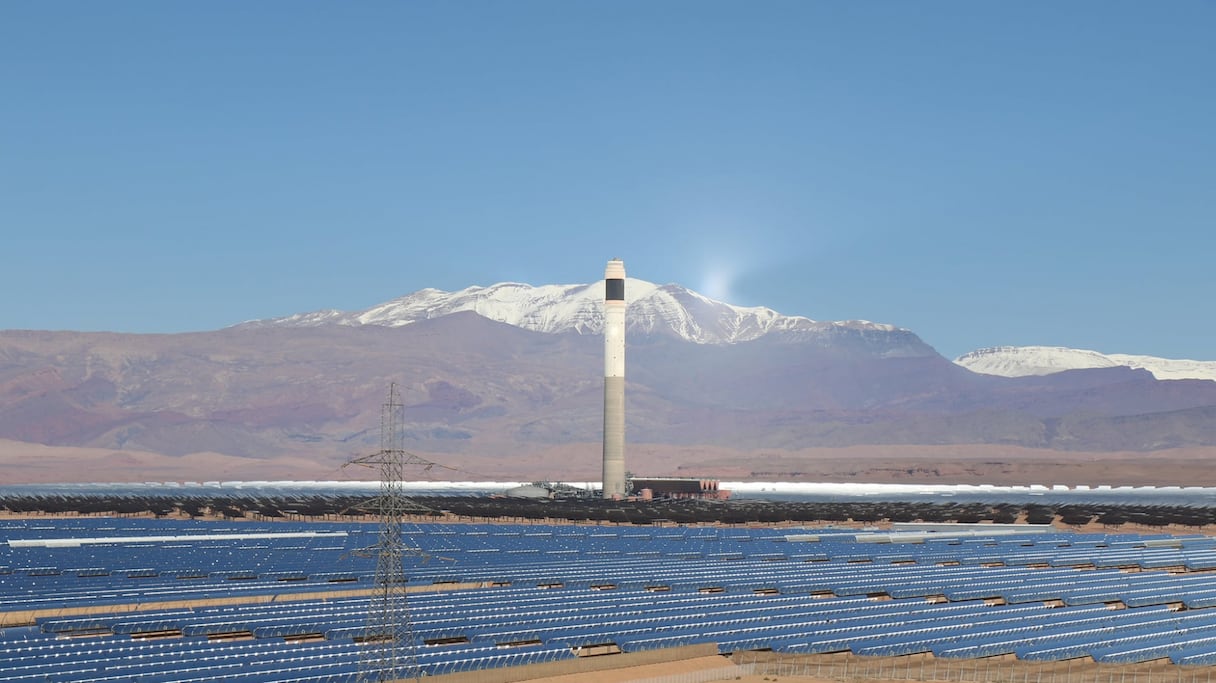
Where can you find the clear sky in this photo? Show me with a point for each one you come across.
(982, 173)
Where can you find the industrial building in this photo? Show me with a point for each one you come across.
(677, 487)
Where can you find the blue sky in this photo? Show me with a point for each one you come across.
(982, 173)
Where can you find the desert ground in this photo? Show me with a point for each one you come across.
(22, 462)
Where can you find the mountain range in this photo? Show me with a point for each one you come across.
(506, 381)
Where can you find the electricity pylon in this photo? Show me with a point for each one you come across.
(388, 652)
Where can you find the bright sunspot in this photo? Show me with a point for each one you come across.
(717, 282)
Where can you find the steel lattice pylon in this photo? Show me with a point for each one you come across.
(388, 640)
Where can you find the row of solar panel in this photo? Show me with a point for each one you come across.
(190, 659)
(624, 571)
(850, 629)
(245, 562)
(466, 535)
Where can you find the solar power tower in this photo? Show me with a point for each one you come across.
(388, 639)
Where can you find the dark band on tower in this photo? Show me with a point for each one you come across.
(614, 290)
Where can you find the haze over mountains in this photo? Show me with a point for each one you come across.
(506, 381)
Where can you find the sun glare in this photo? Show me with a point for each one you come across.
(717, 282)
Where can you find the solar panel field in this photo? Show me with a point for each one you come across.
(161, 600)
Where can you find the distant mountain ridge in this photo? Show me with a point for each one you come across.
(491, 376)
(652, 309)
(1026, 361)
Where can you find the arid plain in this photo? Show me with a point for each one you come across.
(976, 464)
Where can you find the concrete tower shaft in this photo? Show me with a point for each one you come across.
(614, 379)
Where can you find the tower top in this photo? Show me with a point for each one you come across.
(615, 270)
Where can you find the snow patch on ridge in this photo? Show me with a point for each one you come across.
(1022, 361)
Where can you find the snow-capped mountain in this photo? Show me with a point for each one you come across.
(663, 309)
(1021, 361)
(477, 386)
